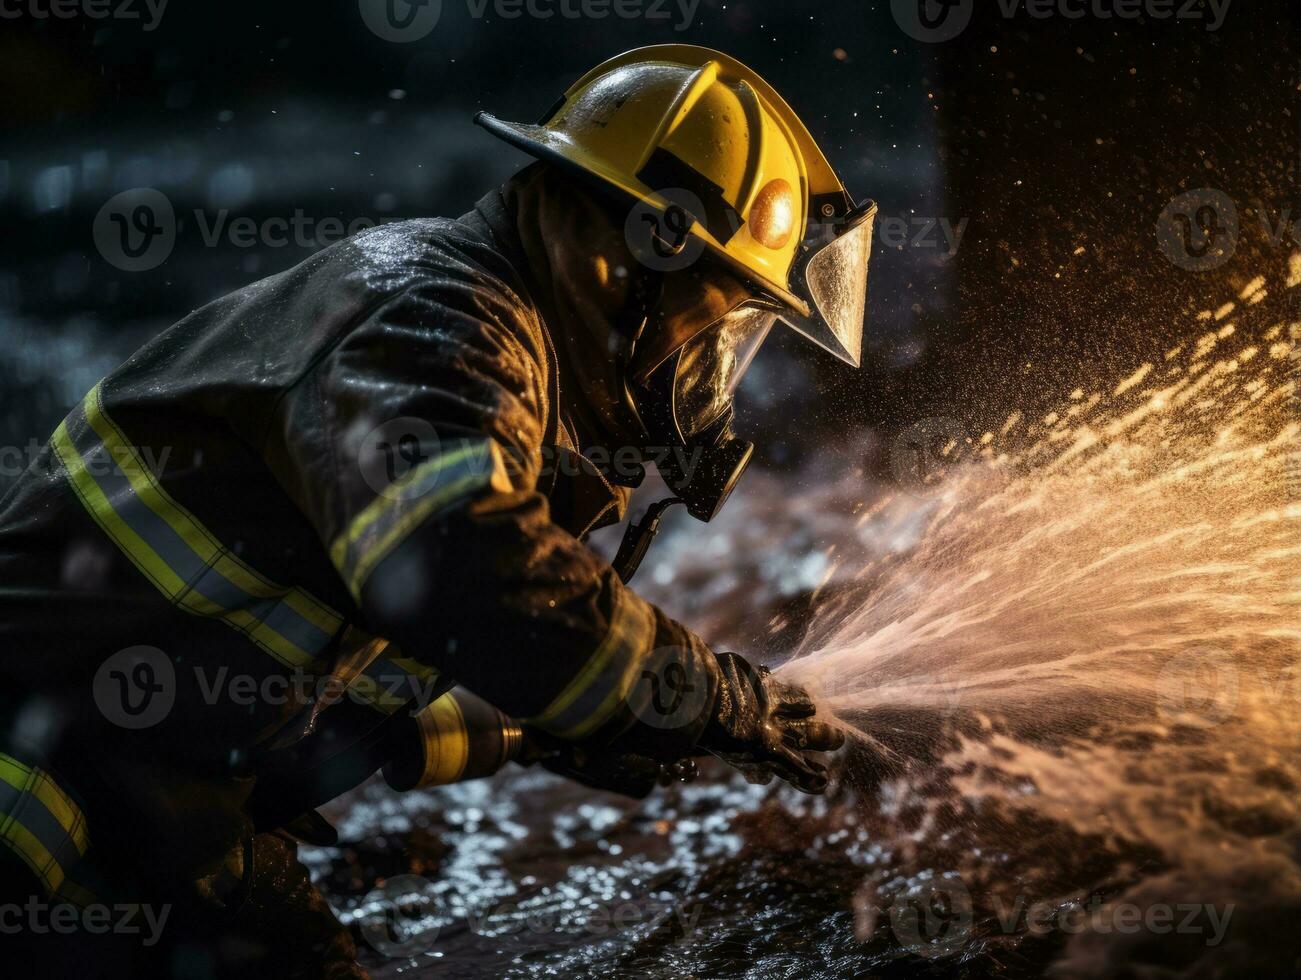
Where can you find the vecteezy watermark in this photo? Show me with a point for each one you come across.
(932, 916)
(660, 239)
(1205, 687)
(148, 11)
(1198, 687)
(668, 691)
(1199, 230)
(103, 461)
(397, 918)
(42, 918)
(937, 21)
(401, 918)
(921, 232)
(137, 687)
(137, 229)
(1124, 918)
(625, 464)
(405, 21)
(935, 916)
(390, 454)
(401, 21)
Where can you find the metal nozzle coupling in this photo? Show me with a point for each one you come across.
(459, 736)
(512, 740)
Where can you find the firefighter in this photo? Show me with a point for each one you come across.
(251, 563)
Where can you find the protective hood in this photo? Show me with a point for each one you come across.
(580, 266)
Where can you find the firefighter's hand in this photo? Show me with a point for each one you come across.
(766, 727)
(602, 767)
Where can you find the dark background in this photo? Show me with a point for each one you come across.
(1058, 141)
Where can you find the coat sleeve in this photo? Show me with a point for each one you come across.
(416, 448)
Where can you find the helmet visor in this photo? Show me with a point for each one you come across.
(711, 366)
(834, 277)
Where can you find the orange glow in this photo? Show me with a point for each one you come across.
(772, 218)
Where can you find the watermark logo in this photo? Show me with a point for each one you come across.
(136, 687)
(149, 12)
(922, 232)
(1125, 918)
(404, 21)
(1198, 230)
(398, 917)
(1198, 687)
(102, 461)
(937, 21)
(932, 21)
(128, 919)
(932, 918)
(276, 232)
(660, 239)
(401, 21)
(922, 452)
(136, 230)
(390, 453)
(668, 693)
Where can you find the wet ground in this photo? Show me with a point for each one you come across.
(527, 875)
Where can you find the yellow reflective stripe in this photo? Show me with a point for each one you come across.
(141, 499)
(593, 695)
(67, 813)
(381, 504)
(13, 772)
(131, 544)
(177, 553)
(209, 550)
(408, 502)
(155, 497)
(313, 610)
(39, 822)
(33, 854)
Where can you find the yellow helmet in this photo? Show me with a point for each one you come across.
(719, 160)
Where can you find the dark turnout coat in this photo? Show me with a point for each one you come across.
(337, 476)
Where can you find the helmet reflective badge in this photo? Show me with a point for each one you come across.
(690, 131)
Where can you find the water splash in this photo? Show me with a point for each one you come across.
(1093, 625)
(1152, 519)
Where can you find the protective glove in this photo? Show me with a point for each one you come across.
(765, 727)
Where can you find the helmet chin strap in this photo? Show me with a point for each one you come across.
(702, 468)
